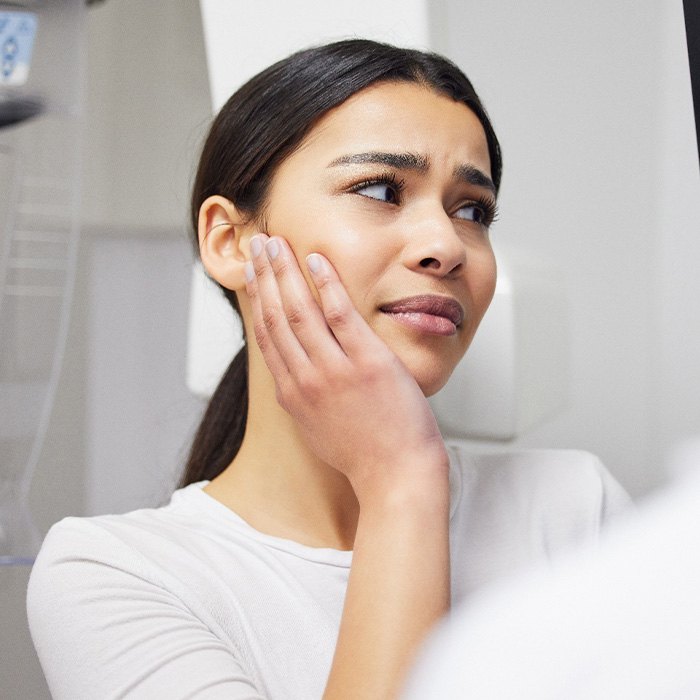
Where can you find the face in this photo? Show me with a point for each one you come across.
(393, 187)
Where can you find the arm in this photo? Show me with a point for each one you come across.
(340, 382)
(399, 587)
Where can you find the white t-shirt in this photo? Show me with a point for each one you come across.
(189, 601)
(618, 623)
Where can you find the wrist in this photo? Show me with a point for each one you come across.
(405, 485)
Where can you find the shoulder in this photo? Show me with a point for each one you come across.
(80, 555)
(133, 583)
(86, 539)
(130, 549)
(555, 473)
(513, 509)
(108, 538)
(566, 491)
(532, 462)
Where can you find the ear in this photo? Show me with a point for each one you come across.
(223, 241)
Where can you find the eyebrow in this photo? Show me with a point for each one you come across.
(473, 176)
(403, 161)
(411, 161)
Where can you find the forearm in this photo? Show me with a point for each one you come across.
(399, 587)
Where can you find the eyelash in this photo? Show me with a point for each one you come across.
(487, 205)
(388, 179)
(489, 208)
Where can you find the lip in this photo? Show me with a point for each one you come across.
(431, 313)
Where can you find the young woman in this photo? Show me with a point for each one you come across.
(343, 203)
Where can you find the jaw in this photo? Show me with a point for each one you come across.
(430, 359)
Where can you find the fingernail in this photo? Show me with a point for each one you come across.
(273, 248)
(256, 246)
(249, 271)
(315, 263)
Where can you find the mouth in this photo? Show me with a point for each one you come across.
(428, 313)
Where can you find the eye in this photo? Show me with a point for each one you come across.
(483, 211)
(383, 188)
(380, 191)
(471, 212)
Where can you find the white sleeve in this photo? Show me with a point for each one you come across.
(105, 627)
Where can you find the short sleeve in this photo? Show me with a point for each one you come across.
(105, 627)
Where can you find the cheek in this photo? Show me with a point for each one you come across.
(481, 276)
(359, 267)
(359, 259)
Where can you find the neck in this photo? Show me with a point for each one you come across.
(277, 484)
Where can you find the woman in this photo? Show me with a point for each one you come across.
(343, 203)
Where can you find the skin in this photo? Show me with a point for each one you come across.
(337, 387)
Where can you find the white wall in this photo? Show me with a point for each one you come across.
(243, 38)
(592, 105)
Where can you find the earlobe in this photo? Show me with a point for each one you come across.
(223, 235)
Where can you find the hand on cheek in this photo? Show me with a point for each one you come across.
(358, 407)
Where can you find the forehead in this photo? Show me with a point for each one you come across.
(401, 117)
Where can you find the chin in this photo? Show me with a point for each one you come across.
(430, 373)
(429, 367)
(430, 359)
(431, 385)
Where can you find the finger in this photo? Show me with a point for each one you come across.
(272, 314)
(303, 313)
(350, 329)
(274, 362)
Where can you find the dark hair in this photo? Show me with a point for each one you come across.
(261, 125)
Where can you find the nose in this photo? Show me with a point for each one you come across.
(434, 246)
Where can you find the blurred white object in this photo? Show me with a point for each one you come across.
(620, 623)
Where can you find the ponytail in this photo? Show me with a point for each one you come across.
(221, 431)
